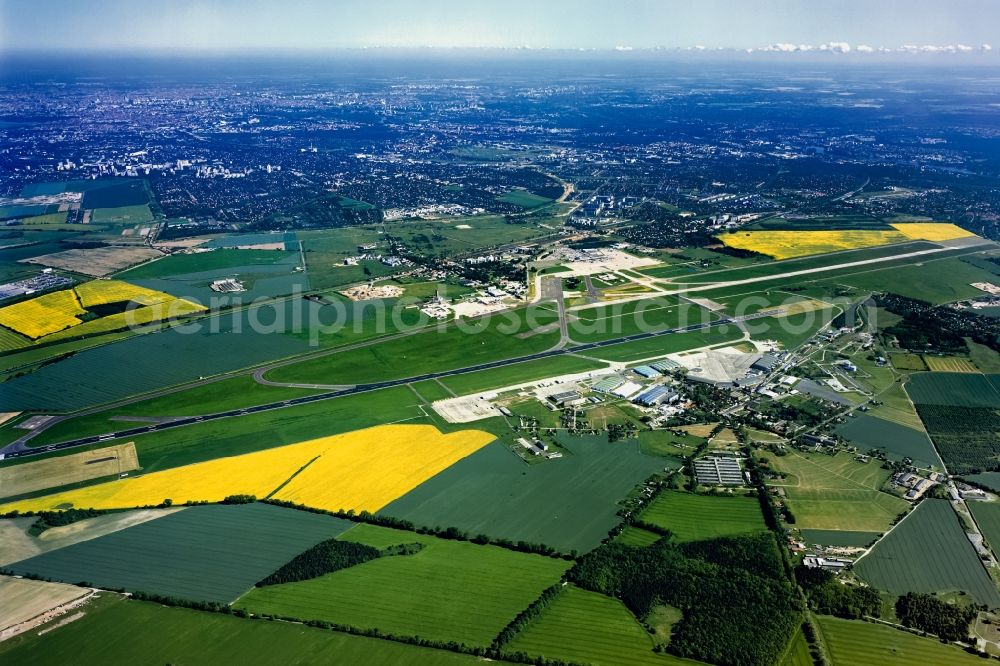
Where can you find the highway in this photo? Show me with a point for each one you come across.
(23, 450)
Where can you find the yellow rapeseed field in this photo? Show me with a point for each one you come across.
(55, 314)
(45, 314)
(100, 292)
(367, 470)
(931, 231)
(364, 469)
(789, 244)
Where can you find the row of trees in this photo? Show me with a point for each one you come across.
(452, 646)
(49, 519)
(515, 626)
(451, 533)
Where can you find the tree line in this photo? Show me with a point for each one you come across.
(450, 533)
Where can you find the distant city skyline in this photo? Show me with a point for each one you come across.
(835, 26)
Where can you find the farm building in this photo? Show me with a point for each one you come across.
(719, 471)
(832, 563)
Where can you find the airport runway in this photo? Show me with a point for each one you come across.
(18, 449)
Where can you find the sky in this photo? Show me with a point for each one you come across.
(237, 25)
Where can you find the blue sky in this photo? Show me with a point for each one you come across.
(317, 24)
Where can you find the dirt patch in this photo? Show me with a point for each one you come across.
(98, 261)
(27, 603)
(64, 470)
(466, 409)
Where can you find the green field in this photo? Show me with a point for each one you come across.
(431, 390)
(959, 411)
(122, 215)
(50, 218)
(798, 652)
(790, 265)
(990, 480)
(636, 536)
(9, 340)
(567, 503)
(524, 199)
(449, 590)
(836, 492)
(670, 343)
(586, 627)
(604, 322)
(870, 432)
(691, 517)
(519, 373)
(928, 552)
(198, 262)
(437, 237)
(956, 389)
(204, 553)
(933, 280)
(214, 439)
(237, 392)
(793, 330)
(153, 361)
(987, 515)
(435, 350)
(666, 443)
(108, 634)
(852, 642)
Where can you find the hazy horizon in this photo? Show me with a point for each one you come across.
(825, 26)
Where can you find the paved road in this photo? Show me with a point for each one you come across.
(18, 449)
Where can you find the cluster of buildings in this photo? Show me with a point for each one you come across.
(916, 486)
(227, 286)
(47, 280)
(431, 212)
(538, 448)
(385, 259)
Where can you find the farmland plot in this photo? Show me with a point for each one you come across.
(899, 441)
(568, 503)
(204, 553)
(64, 470)
(956, 389)
(449, 590)
(580, 626)
(692, 517)
(22, 600)
(928, 552)
(360, 470)
(182, 636)
(836, 492)
(853, 642)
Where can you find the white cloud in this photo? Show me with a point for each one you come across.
(836, 47)
(987, 47)
(864, 48)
